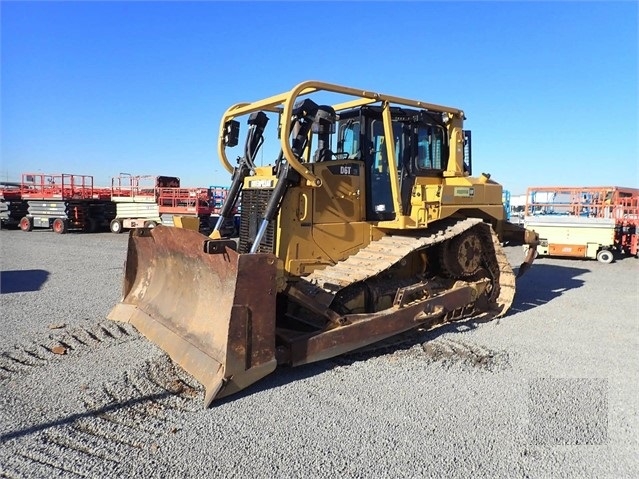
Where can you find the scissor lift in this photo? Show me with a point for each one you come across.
(584, 222)
(58, 201)
(135, 198)
(12, 207)
(177, 201)
(144, 201)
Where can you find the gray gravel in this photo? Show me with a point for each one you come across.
(548, 391)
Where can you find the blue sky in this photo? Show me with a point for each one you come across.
(549, 88)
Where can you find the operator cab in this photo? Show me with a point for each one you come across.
(421, 149)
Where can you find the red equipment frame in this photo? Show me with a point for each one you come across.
(62, 186)
(10, 192)
(191, 201)
(138, 187)
(626, 234)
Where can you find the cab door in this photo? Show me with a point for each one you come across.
(339, 206)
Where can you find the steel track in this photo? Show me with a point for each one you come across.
(388, 251)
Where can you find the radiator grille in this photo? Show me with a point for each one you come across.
(253, 205)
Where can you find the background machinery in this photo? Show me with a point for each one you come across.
(593, 222)
(366, 224)
(144, 201)
(12, 208)
(62, 202)
(230, 226)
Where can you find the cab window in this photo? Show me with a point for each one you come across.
(349, 139)
(431, 148)
(379, 153)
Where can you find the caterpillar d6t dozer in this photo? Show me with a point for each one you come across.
(368, 223)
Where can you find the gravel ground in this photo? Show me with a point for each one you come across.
(548, 391)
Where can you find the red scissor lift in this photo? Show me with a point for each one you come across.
(185, 202)
(626, 222)
(12, 207)
(59, 201)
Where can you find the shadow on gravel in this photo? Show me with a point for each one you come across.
(74, 417)
(543, 283)
(625, 257)
(282, 376)
(22, 280)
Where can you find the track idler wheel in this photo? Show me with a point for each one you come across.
(462, 255)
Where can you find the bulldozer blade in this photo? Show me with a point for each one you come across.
(213, 313)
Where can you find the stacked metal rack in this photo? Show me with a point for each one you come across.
(584, 222)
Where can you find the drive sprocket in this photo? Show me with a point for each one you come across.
(462, 255)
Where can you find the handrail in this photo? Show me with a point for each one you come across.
(284, 103)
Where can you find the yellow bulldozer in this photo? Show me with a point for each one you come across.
(367, 224)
